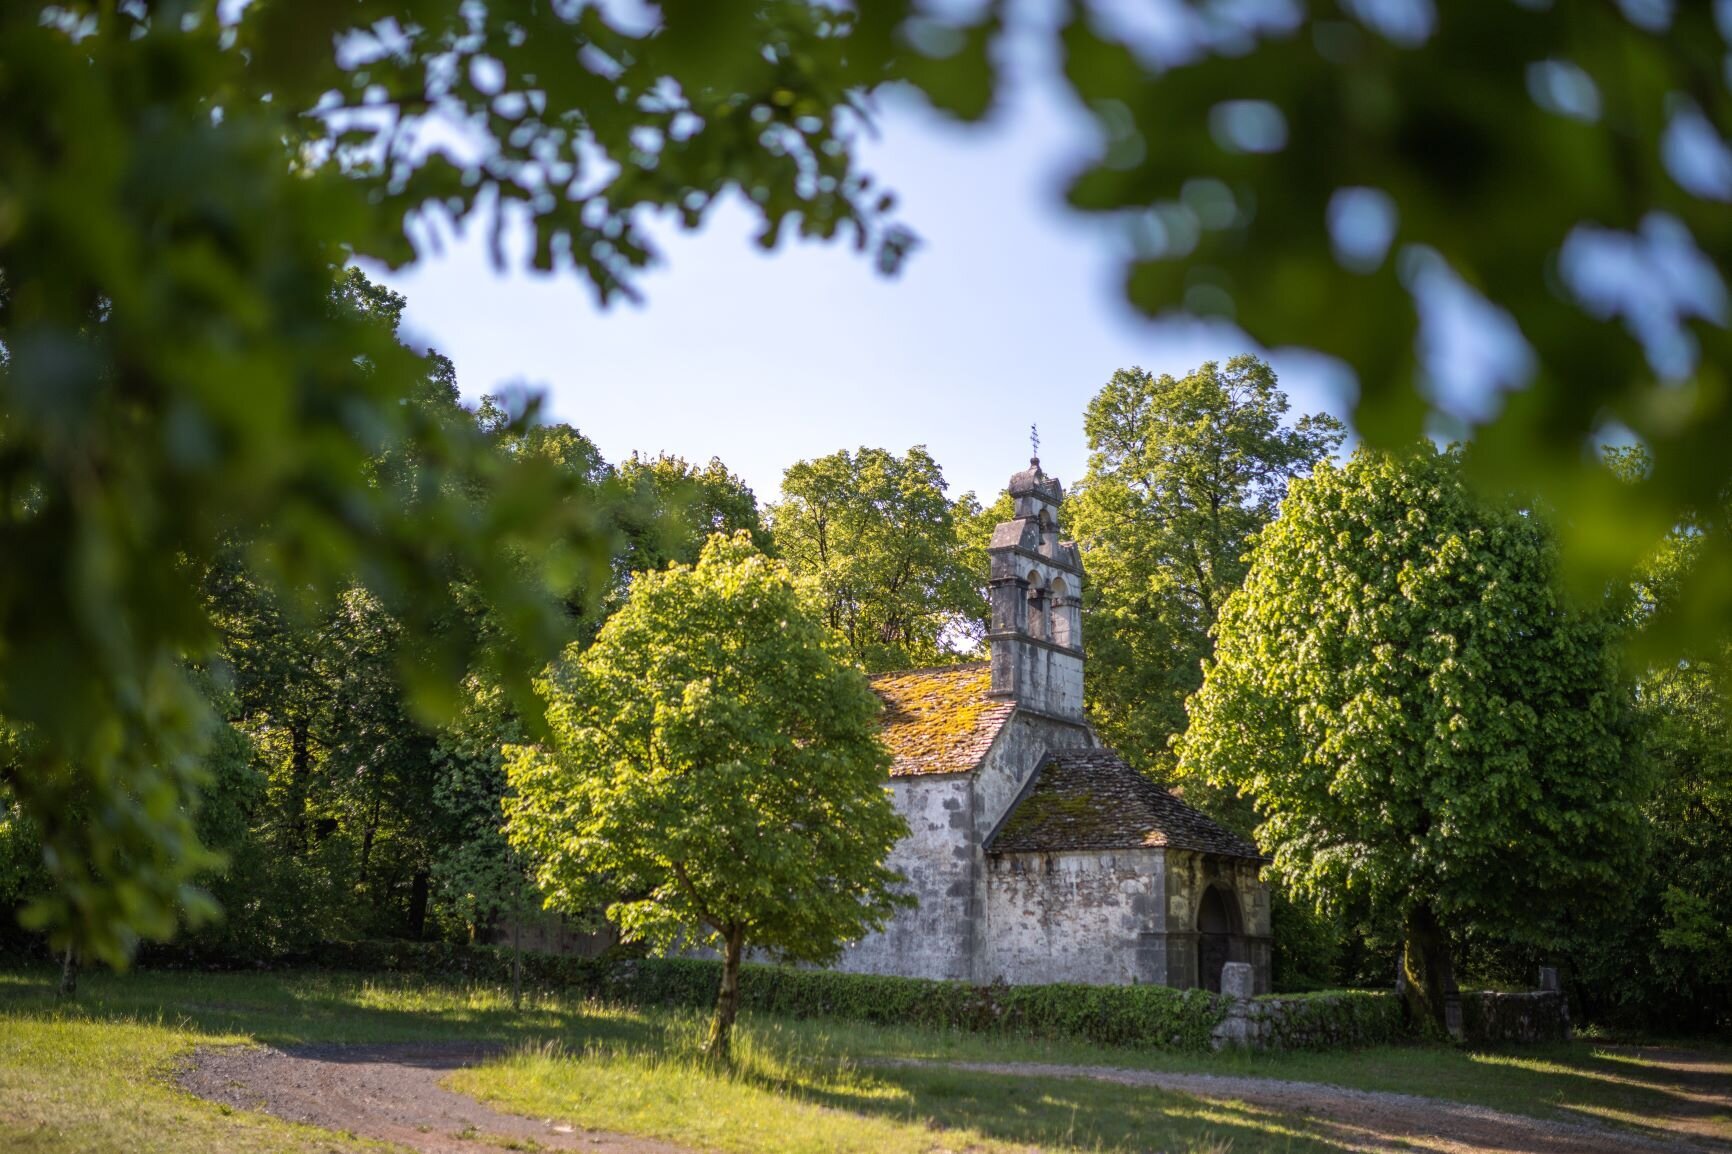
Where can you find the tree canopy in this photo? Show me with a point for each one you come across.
(681, 504)
(181, 362)
(1419, 717)
(184, 180)
(1182, 473)
(715, 775)
(886, 550)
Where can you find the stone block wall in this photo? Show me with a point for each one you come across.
(1089, 917)
(1346, 1019)
(939, 858)
(1042, 675)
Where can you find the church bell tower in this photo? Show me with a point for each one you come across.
(1035, 589)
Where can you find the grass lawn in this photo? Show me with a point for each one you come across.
(96, 1076)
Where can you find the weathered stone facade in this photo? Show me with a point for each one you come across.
(1036, 855)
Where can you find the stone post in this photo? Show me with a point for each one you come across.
(1238, 1029)
(1549, 984)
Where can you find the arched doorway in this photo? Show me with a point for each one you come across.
(1217, 925)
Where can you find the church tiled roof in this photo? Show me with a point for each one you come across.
(1090, 799)
(939, 720)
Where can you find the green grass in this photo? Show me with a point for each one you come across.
(97, 1075)
(789, 1093)
(70, 1085)
(1559, 1081)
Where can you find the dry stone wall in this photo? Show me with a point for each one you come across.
(1497, 1018)
(1340, 1019)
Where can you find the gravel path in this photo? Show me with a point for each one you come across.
(1366, 1120)
(388, 1092)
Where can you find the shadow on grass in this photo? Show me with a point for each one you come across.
(1663, 1094)
(1086, 1114)
(1563, 1082)
(1662, 1091)
(1704, 1067)
(1076, 1114)
(301, 1008)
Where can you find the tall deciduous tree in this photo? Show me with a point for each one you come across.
(880, 540)
(679, 505)
(1182, 472)
(1667, 962)
(1419, 718)
(184, 182)
(715, 774)
(184, 176)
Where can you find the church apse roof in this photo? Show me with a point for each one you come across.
(1091, 800)
(939, 720)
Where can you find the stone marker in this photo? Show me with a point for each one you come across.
(1236, 980)
(1237, 1029)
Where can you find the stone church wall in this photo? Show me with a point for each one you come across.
(1045, 676)
(1189, 875)
(1078, 916)
(939, 860)
(1008, 765)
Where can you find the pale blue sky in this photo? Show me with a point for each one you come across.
(1009, 313)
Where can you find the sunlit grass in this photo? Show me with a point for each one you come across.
(96, 1075)
(71, 1085)
(788, 1091)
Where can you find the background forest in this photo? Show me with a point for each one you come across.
(337, 811)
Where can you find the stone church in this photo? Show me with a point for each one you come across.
(1037, 855)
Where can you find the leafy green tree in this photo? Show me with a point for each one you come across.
(1182, 473)
(1332, 185)
(1420, 719)
(680, 505)
(184, 182)
(184, 178)
(481, 878)
(715, 775)
(879, 539)
(1670, 963)
(359, 820)
(1664, 962)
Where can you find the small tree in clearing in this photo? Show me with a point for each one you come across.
(715, 775)
(1417, 715)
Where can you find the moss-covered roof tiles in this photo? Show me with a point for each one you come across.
(1090, 799)
(939, 720)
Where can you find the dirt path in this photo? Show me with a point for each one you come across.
(1366, 1120)
(388, 1092)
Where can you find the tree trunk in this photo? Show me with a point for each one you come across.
(300, 782)
(1432, 996)
(69, 973)
(517, 958)
(728, 998)
(368, 834)
(418, 893)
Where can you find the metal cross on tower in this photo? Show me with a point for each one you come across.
(1034, 440)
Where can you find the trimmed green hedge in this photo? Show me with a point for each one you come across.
(1145, 1017)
